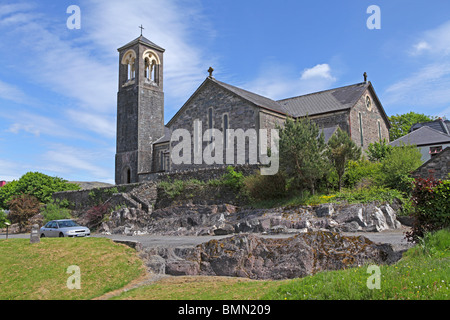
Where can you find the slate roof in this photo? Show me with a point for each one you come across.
(337, 99)
(256, 99)
(328, 132)
(439, 125)
(166, 137)
(143, 40)
(422, 137)
(332, 100)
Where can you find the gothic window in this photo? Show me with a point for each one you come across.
(210, 121)
(129, 60)
(361, 129)
(379, 130)
(152, 63)
(225, 128)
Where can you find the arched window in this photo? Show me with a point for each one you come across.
(152, 63)
(225, 128)
(129, 59)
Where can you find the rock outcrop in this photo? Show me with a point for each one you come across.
(198, 220)
(251, 256)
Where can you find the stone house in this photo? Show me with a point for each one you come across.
(144, 143)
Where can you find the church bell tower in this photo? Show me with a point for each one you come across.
(140, 108)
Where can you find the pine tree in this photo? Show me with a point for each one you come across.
(302, 149)
(341, 149)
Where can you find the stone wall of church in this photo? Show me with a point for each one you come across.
(241, 115)
(370, 119)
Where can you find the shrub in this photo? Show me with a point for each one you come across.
(22, 208)
(398, 164)
(360, 170)
(94, 215)
(431, 200)
(233, 179)
(377, 151)
(262, 187)
(370, 194)
(53, 211)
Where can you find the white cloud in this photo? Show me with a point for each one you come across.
(435, 42)
(13, 93)
(71, 161)
(320, 71)
(277, 81)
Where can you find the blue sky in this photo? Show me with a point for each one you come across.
(58, 86)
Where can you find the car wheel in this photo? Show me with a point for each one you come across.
(61, 235)
(42, 235)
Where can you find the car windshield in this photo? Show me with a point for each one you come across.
(67, 223)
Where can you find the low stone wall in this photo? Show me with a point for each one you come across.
(81, 199)
(202, 174)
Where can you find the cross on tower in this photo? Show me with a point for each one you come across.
(142, 28)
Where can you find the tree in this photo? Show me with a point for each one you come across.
(22, 208)
(36, 184)
(398, 164)
(302, 149)
(377, 151)
(401, 124)
(341, 149)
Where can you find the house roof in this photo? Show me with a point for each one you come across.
(439, 125)
(166, 137)
(256, 99)
(422, 137)
(332, 100)
(337, 99)
(143, 40)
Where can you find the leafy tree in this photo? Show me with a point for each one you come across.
(36, 184)
(377, 151)
(341, 149)
(302, 149)
(401, 124)
(22, 208)
(397, 165)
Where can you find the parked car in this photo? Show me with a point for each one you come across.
(64, 228)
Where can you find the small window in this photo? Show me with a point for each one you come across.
(435, 150)
(368, 103)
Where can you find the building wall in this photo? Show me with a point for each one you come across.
(438, 167)
(241, 115)
(370, 119)
(425, 150)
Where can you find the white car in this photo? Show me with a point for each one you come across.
(64, 228)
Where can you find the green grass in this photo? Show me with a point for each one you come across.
(423, 273)
(38, 271)
(201, 288)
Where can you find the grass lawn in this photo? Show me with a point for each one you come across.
(202, 288)
(38, 271)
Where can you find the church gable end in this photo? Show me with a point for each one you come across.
(368, 121)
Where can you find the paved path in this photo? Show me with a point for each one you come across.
(394, 237)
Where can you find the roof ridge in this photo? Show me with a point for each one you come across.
(323, 91)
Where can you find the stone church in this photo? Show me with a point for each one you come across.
(144, 142)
